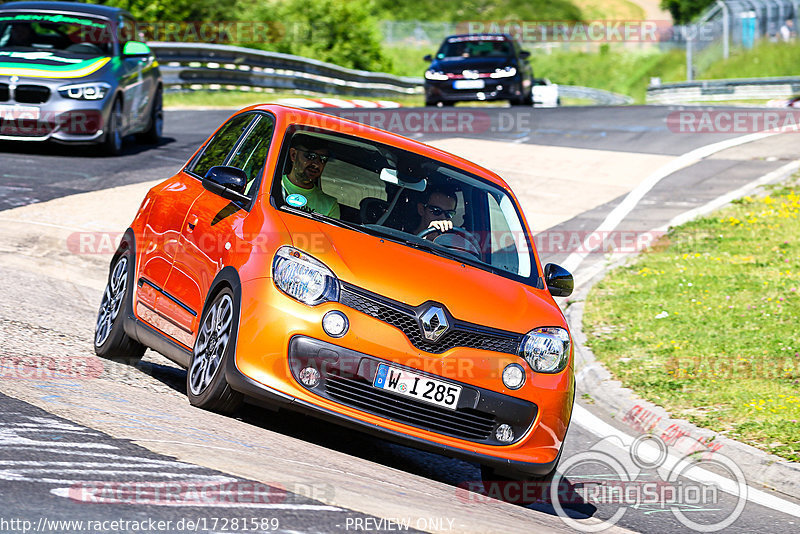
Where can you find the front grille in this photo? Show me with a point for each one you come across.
(460, 334)
(4, 92)
(31, 94)
(463, 423)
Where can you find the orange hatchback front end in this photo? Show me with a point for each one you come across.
(332, 268)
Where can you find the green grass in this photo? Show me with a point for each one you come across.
(240, 99)
(618, 70)
(705, 324)
(766, 59)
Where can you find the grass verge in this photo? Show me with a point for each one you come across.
(240, 99)
(705, 323)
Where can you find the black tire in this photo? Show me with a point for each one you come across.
(112, 142)
(152, 135)
(431, 103)
(528, 100)
(206, 385)
(110, 340)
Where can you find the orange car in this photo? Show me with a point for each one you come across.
(358, 276)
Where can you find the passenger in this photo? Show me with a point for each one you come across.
(301, 187)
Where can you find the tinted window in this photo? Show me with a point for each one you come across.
(217, 150)
(251, 153)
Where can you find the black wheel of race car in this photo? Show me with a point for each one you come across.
(112, 143)
(206, 385)
(528, 100)
(153, 134)
(431, 103)
(110, 340)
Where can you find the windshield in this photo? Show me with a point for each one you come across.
(471, 46)
(73, 34)
(403, 196)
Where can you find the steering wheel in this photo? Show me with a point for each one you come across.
(470, 244)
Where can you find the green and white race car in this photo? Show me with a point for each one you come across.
(75, 73)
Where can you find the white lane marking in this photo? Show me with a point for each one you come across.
(627, 205)
(75, 465)
(50, 225)
(597, 426)
(65, 492)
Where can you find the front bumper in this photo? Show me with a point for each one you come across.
(494, 89)
(58, 118)
(278, 336)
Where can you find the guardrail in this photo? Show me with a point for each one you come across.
(202, 66)
(599, 96)
(188, 65)
(723, 90)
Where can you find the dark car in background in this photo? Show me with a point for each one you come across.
(75, 73)
(477, 67)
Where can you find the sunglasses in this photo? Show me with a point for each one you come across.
(436, 211)
(313, 156)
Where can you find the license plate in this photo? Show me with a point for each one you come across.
(11, 112)
(468, 84)
(417, 386)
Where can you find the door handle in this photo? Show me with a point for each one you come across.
(191, 222)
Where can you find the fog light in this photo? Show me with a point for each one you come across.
(513, 376)
(504, 433)
(335, 323)
(309, 377)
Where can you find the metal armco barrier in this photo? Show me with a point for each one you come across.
(184, 65)
(723, 90)
(201, 65)
(599, 96)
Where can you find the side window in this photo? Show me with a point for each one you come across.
(251, 153)
(217, 150)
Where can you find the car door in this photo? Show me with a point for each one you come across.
(133, 82)
(214, 224)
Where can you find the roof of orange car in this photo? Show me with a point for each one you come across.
(331, 122)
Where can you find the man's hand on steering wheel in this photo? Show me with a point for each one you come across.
(442, 225)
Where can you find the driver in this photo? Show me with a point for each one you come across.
(438, 210)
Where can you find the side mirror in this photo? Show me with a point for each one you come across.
(558, 280)
(136, 48)
(428, 58)
(227, 182)
(524, 54)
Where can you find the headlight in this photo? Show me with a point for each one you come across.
(546, 349)
(85, 91)
(304, 278)
(435, 75)
(504, 73)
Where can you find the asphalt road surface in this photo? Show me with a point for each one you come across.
(54, 468)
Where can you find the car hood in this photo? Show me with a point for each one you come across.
(48, 64)
(457, 65)
(414, 276)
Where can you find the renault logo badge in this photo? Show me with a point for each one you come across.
(434, 323)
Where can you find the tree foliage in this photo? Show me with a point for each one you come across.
(683, 11)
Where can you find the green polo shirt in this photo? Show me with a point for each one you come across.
(316, 200)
